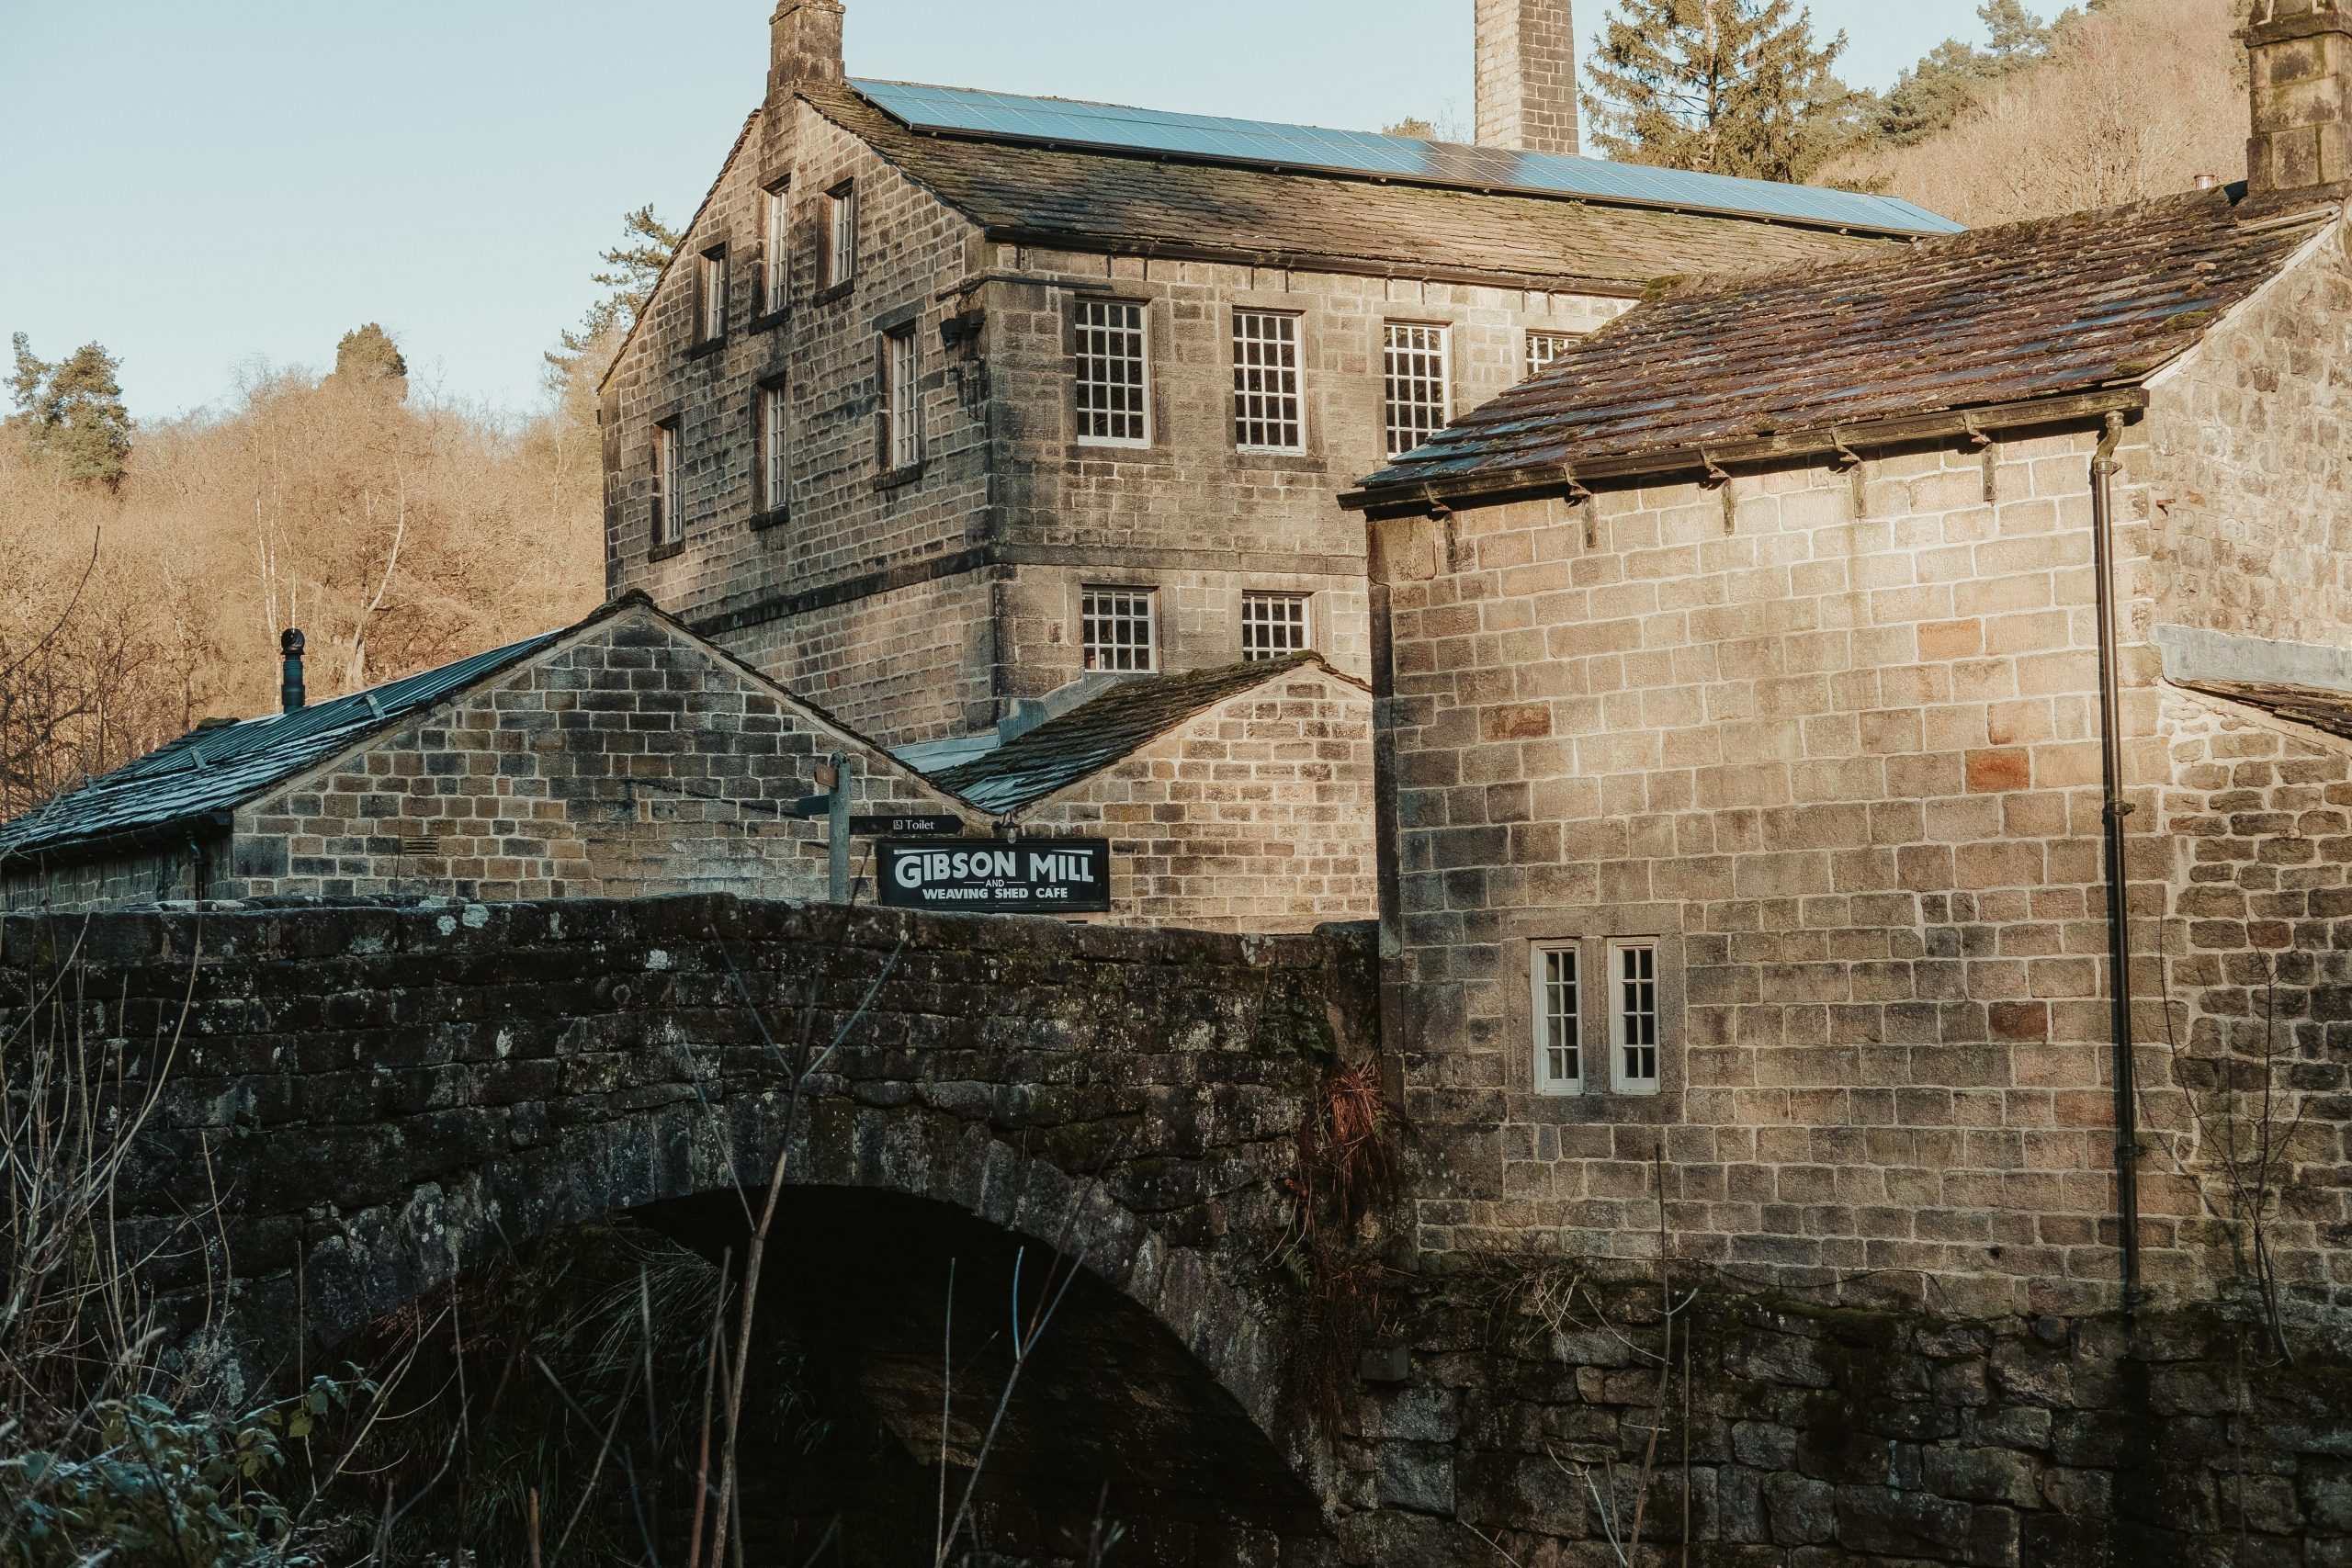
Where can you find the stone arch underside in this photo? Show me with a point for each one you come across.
(1155, 1394)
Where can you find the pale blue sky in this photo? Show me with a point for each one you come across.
(199, 186)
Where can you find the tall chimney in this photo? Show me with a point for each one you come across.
(290, 691)
(806, 46)
(2300, 51)
(1527, 75)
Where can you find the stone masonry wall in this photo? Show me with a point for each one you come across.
(1254, 816)
(2254, 1112)
(2254, 536)
(1844, 769)
(843, 518)
(1790, 1434)
(628, 761)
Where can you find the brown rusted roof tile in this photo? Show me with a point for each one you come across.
(1990, 317)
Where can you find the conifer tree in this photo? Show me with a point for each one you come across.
(368, 357)
(1932, 94)
(1724, 86)
(632, 268)
(73, 411)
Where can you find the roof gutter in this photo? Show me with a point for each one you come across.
(1409, 498)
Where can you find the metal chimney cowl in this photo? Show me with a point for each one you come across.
(291, 693)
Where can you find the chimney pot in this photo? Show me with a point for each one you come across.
(1527, 75)
(290, 691)
(2207, 181)
(2300, 67)
(805, 46)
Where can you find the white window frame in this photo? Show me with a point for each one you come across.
(776, 446)
(714, 294)
(1416, 360)
(1110, 605)
(1100, 328)
(1303, 621)
(1556, 344)
(669, 486)
(841, 235)
(901, 397)
(1548, 1051)
(778, 282)
(1622, 1014)
(1260, 410)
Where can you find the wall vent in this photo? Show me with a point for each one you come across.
(419, 849)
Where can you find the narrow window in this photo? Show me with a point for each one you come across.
(1559, 1026)
(714, 294)
(1274, 625)
(1266, 413)
(1116, 628)
(669, 488)
(775, 436)
(777, 283)
(841, 235)
(1114, 383)
(901, 412)
(1544, 347)
(1418, 401)
(1633, 1015)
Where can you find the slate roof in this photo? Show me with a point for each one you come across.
(1135, 202)
(1107, 729)
(1991, 317)
(2315, 705)
(191, 784)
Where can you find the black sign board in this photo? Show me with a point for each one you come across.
(1037, 876)
(906, 826)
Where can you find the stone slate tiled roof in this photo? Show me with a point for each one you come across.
(2315, 705)
(1134, 203)
(193, 783)
(1104, 731)
(1991, 317)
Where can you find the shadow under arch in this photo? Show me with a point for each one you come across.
(1160, 1366)
(1111, 1421)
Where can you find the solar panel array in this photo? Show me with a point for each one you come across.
(1071, 123)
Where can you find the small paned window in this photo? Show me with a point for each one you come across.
(1560, 1022)
(1266, 414)
(776, 480)
(1418, 400)
(901, 410)
(668, 487)
(776, 285)
(841, 235)
(1633, 1016)
(1274, 625)
(714, 294)
(1544, 347)
(1114, 380)
(1116, 628)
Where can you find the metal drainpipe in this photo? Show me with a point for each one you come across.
(2113, 810)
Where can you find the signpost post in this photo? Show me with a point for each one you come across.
(1033, 876)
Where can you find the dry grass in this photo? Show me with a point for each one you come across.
(2138, 101)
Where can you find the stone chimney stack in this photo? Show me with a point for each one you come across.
(807, 46)
(2300, 51)
(1527, 75)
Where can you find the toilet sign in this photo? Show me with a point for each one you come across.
(1034, 876)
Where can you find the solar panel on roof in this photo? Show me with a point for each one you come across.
(1070, 122)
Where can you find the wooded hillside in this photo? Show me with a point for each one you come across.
(2133, 99)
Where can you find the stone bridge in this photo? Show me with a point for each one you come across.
(359, 1104)
(376, 1098)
